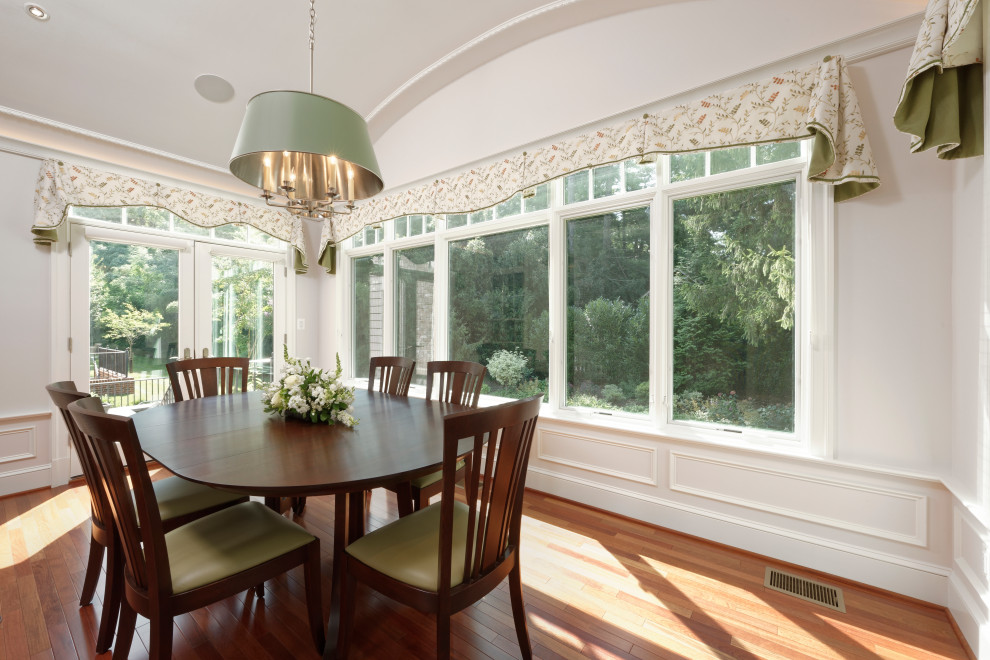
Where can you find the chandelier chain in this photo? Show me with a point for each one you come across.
(312, 40)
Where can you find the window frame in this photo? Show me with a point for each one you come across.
(662, 294)
(814, 289)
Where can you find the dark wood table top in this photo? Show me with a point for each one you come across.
(230, 442)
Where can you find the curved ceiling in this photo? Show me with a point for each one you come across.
(126, 70)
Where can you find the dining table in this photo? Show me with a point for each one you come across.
(231, 442)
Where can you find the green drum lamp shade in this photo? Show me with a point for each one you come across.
(306, 147)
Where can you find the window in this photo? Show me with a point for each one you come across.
(608, 310)
(414, 225)
(414, 306)
(733, 307)
(680, 295)
(367, 310)
(149, 288)
(498, 312)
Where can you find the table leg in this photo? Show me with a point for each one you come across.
(348, 526)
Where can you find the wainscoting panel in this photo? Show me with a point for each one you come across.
(610, 457)
(882, 513)
(18, 443)
(25, 453)
(969, 584)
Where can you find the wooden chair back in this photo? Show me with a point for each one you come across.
(63, 393)
(138, 522)
(199, 377)
(494, 479)
(394, 374)
(457, 381)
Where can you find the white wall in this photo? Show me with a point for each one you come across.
(25, 419)
(894, 251)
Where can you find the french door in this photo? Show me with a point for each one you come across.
(139, 301)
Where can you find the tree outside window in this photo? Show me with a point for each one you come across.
(733, 307)
(499, 309)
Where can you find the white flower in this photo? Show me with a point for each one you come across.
(324, 396)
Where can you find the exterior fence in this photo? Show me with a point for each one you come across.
(131, 391)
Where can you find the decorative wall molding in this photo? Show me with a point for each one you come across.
(627, 461)
(32, 417)
(29, 478)
(736, 483)
(23, 438)
(911, 577)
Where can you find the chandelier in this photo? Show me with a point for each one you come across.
(308, 154)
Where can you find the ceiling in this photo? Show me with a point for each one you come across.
(126, 69)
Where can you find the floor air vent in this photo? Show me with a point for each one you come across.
(805, 589)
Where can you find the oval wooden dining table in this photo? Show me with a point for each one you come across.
(230, 442)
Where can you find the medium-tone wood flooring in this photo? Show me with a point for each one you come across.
(596, 586)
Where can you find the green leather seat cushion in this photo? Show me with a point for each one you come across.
(423, 482)
(407, 549)
(228, 542)
(178, 497)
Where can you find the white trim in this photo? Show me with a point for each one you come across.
(650, 459)
(32, 451)
(920, 502)
(603, 489)
(134, 236)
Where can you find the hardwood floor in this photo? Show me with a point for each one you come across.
(596, 586)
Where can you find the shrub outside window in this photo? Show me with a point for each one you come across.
(608, 311)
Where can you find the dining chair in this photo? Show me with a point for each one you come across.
(457, 381)
(199, 377)
(394, 374)
(179, 501)
(449, 555)
(196, 564)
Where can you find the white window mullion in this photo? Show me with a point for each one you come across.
(557, 281)
(441, 295)
(388, 302)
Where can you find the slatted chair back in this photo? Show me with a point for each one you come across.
(457, 381)
(394, 374)
(494, 479)
(199, 377)
(63, 393)
(138, 522)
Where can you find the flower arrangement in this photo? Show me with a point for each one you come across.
(310, 394)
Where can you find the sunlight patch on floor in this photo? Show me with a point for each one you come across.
(58, 521)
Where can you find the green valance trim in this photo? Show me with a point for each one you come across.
(328, 259)
(944, 109)
(941, 103)
(44, 235)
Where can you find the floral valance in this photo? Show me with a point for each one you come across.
(941, 103)
(61, 185)
(817, 101)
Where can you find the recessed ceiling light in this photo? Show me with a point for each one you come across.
(36, 11)
(214, 88)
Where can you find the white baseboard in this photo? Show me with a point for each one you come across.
(60, 471)
(916, 579)
(31, 478)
